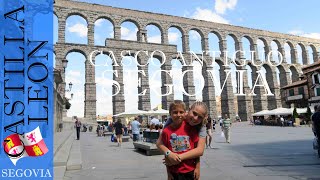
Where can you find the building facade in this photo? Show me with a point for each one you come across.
(305, 92)
(312, 74)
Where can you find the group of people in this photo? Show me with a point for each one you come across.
(183, 137)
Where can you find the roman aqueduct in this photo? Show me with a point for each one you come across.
(289, 70)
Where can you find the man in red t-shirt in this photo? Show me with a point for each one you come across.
(179, 140)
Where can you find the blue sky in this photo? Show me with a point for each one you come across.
(284, 16)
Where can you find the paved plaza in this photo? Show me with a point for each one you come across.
(257, 152)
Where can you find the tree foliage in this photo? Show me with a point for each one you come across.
(295, 114)
(68, 105)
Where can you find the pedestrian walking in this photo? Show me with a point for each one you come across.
(226, 125)
(135, 126)
(282, 121)
(119, 130)
(77, 124)
(209, 133)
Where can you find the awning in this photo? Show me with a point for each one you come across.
(131, 113)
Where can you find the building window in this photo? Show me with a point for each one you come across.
(317, 91)
(301, 90)
(315, 78)
(291, 92)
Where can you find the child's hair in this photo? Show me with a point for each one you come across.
(204, 106)
(176, 103)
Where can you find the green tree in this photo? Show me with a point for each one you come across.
(309, 113)
(295, 114)
(68, 105)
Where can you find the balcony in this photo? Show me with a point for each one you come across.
(314, 99)
(296, 97)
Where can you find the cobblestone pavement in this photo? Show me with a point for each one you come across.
(257, 152)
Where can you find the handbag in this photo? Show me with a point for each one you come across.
(222, 134)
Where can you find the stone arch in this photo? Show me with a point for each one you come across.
(304, 54)
(104, 30)
(103, 75)
(289, 52)
(247, 54)
(294, 73)
(234, 37)
(176, 78)
(76, 73)
(283, 75)
(75, 27)
(182, 31)
(136, 31)
(195, 43)
(77, 13)
(68, 51)
(154, 80)
(198, 31)
(55, 29)
(157, 25)
(111, 20)
(214, 43)
(158, 28)
(135, 22)
(314, 54)
(265, 48)
(178, 35)
(218, 34)
(275, 49)
(232, 48)
(271, 80)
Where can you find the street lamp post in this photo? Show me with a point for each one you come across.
(69, 90)
(64, 65)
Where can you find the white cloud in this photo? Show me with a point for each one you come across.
(195, 35)
(104, 82)
(312, 35)
(128, 34)
(173, 37)
(222, 5)
(77, 105)
(74, 80)
(154, 39)
(295, 32)
(208, 15)
(74, 73)
(74, 77)
(98, 22)
(301, 33)
(79, 29)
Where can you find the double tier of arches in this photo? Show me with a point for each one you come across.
(184, 37)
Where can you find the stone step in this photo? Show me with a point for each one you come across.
(75, 160)
(59, 172)
(59, 140)
(62, 155)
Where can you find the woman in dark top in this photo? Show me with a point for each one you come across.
(118, 127)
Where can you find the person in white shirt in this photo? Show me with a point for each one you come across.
(155, 121)
(282, 121)
(135, 126)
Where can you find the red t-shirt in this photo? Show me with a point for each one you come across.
(180, 140)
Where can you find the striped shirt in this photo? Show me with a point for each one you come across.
(226, 122)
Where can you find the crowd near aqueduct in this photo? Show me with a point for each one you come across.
(289, 69)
